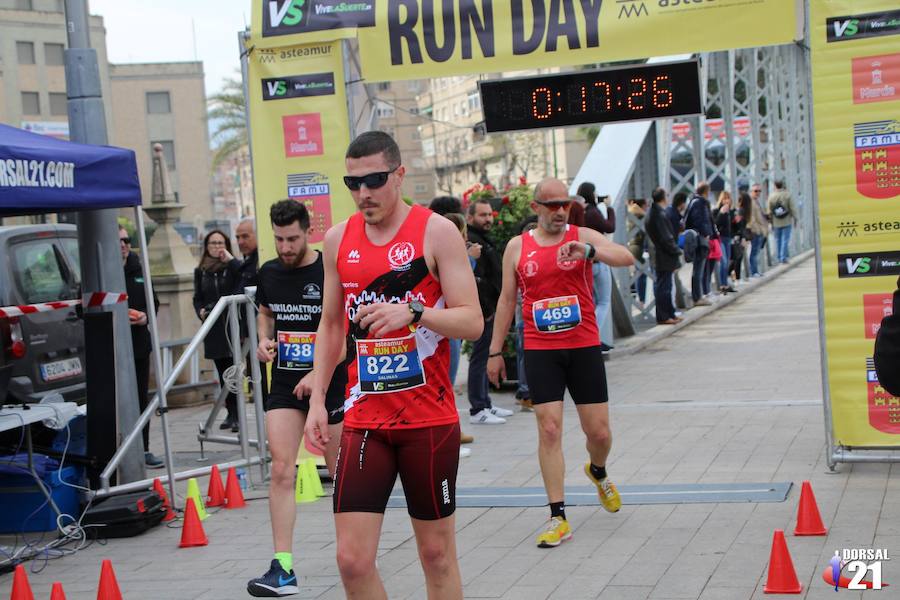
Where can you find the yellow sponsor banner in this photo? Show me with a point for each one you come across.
(855, 54)
(285, 22)
(300, 132)
(415, 39)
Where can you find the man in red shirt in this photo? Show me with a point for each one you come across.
(398, 285)
(552, 265)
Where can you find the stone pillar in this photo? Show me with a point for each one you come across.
(172, 268)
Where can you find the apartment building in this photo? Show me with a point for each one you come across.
(144, 103)
(460, 155)
(165, 103)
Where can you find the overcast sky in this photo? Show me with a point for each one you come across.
(165, 30)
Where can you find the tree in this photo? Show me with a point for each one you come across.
(228, 113)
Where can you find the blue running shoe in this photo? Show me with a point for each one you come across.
(275, 583)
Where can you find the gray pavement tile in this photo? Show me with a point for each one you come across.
(623, 592)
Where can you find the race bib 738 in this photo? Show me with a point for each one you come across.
(295, 350)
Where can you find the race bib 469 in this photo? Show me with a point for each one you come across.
(553, 315)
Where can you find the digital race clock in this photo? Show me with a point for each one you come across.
(619, 94)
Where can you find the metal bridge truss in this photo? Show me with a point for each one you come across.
(756, 129)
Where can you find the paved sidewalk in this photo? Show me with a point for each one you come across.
(735, 397)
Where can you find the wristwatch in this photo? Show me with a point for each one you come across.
(590, 253)
(416, 308)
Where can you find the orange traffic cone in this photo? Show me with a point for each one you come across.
(192, 533)
(809, 522)
(21, 588)
(234, 498)
(109, 587)
(782, 577)
(215, 495)
(57, 593)
(159, 489)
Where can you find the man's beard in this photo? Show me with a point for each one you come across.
(294, 261)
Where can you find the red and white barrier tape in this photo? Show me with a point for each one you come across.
(88, 300)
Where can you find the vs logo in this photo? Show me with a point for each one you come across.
(277, 88)
(289, 14)
(846, 28)
(858, 266)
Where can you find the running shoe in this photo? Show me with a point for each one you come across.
(274, 584)
(609, 495)
(486, 417)
(556, 533)
(501, 412)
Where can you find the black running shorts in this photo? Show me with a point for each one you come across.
(581, 370)
(334, 402)
(370, 460)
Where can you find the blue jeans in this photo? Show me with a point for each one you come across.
(455, 348)
(478, 380)
(725, 261)
(662, 291)
(755, 246)
(603, 300)
(783, 242)
(699, 282)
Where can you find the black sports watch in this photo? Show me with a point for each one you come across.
(417, 309)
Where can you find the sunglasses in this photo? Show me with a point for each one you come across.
(554, 204)
(373, 181)
(125, 240)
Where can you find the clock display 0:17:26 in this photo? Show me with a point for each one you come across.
(623, 94)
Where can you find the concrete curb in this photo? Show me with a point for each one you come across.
(636, 343)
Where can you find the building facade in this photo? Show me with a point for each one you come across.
(165, 103)
(144, 103)
(459, 155)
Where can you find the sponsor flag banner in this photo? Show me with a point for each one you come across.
(300, 131)
(285, 22)
(856, 71)
(420, 39)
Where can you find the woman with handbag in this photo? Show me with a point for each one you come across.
(214, 277)
(722, 216)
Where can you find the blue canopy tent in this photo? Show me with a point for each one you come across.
(40, 174)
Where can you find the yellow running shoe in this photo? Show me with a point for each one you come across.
(557, 532)
(609, 495)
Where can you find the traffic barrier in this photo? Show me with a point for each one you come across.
(109, 587)
(809, 521)
(215, 495)
(88, 300)
(193, 493)
(192, 533)
(21, 589)
(782, 577)
(234, 497)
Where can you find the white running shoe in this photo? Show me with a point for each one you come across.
(464, 452)
(501, 412)
(486, 417)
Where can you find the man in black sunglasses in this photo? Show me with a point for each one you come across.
(398, 280)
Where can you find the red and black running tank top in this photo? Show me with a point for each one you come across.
(557, 299)
(400, 381)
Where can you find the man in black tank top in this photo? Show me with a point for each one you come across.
(289, 293)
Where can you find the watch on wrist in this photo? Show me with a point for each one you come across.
(417, 309)
(591, 252)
